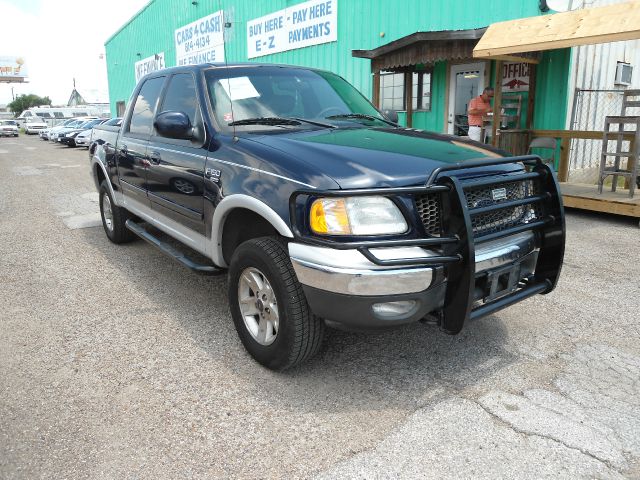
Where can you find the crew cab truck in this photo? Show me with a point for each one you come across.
(320, 209)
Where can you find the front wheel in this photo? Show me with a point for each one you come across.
(269, 309)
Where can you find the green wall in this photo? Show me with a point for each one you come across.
(552, 85)
(362, 24)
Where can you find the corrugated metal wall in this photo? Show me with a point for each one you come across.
(594, 66)
(362, 24)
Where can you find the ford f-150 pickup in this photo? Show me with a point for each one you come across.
(321, 210)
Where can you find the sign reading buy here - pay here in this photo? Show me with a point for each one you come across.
(301, 25)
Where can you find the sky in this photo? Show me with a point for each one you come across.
(61, 40)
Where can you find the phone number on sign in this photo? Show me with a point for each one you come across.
(197, 44)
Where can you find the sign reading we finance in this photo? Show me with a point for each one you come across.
(298, 26)
(201, 41)
(148, 65)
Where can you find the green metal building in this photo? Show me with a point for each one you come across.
(410, 55)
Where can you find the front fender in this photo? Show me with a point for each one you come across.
(247, 202)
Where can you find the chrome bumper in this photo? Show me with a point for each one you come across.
(349, 272)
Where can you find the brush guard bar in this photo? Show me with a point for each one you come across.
(456, 245)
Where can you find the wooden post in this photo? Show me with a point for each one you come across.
(563, 168)
(376, 88)
(408, 96)
(532, 96)
(497, 102)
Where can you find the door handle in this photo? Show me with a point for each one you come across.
(155, 158)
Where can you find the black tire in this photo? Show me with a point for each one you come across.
(299, 333)
(115, 229)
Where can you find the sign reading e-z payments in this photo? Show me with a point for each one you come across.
(301, 25)
(201, 41)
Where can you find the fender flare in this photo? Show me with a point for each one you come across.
(96, 161)
(246, 202)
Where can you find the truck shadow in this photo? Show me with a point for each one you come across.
(404, 366)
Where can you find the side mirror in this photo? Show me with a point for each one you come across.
(392, 115)
(174, 125)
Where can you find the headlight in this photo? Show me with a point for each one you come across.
(356, 216)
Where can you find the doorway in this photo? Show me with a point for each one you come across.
(466, 81)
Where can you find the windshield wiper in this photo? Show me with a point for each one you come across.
(280, 121)
(313, 122)
(360, 115)
(266, 121)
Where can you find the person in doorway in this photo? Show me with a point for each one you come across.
(478, 107)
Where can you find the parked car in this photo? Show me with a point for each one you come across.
(84, 139)
(49, 133)
(69, 137)
(321, 210)
(8, 128)
(34, 125)
(60, 133)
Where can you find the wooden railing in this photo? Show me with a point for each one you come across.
(565, 137)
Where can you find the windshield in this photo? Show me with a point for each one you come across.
(89, 124)
(284, 92)
(114, 121)
(9, 122)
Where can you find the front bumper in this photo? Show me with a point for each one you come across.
(467, 272)
(343, 286)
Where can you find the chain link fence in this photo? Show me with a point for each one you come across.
(590, 107)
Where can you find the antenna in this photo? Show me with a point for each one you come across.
(226, 64)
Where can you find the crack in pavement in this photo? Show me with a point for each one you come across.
(526, 433)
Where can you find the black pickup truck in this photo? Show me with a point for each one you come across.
(321, 209)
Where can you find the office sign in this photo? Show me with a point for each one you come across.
(298, 26)
(201, 41)
(515, 77)
(148, 65)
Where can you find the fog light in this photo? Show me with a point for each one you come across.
(394, 309)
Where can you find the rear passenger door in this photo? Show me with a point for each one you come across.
(175, 175)
(132, 147)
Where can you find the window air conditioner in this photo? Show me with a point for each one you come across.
(623, 74)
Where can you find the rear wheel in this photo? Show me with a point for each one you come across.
(114, 217)
(269, 309)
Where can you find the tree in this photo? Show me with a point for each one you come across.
(24, 102)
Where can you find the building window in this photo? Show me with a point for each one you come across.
(392, 91)
(421, 91)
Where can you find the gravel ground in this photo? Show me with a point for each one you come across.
(116, 362)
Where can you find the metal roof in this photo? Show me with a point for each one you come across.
(423, 48)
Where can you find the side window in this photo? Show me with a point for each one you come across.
(181, 96)
(142, 117)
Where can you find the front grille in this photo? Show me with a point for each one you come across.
(428, 207)
(497, 220)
